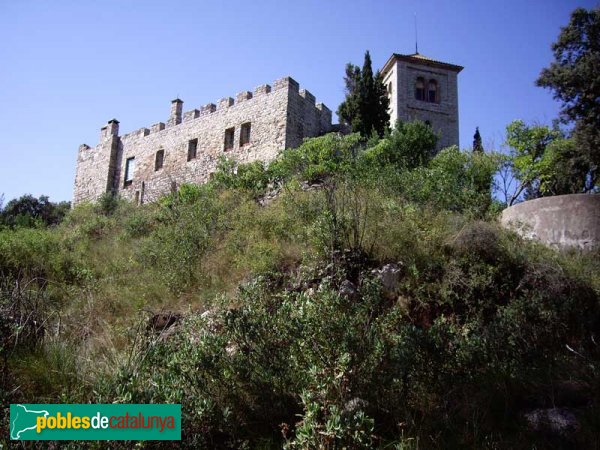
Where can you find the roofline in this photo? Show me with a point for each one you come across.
(426, 62)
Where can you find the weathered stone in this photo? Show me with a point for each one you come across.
(557, 421)
(211, 318)
(390, 276)
(163, 320)
(347, 289)
(354, 405)
(279, 118)
(400, 75)
(231, 349)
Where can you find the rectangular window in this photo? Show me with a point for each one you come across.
(129, 169)
(229, 136)
(159, 161)
(192, 149)
(245, 134)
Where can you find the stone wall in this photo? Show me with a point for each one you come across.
(280, 117)
(442, 116)
(563, 221)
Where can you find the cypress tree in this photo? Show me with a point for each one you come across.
(477, 145)
(365, 108)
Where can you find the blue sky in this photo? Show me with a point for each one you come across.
(66, 67)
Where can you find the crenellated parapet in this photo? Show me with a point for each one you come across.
(177, 116)
(252, 125)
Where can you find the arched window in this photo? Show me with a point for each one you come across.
(420, 89)
(432, 92)
(160, 159)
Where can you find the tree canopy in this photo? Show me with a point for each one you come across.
(365, 108)
(573, 77)
(544, 161)
(29, 211)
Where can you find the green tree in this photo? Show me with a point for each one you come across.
(573, 77)
(28, 211)
(365, 108)
(410, 145)
(477, 145)
(543, 161)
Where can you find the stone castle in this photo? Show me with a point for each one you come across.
(147, 163)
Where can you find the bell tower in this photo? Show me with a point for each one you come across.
(421, 88)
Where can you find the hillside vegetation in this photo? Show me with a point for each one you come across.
(351, 294)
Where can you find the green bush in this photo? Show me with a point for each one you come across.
(453, 180)
(469, 335)
(318, 158)
(410, 145)
(303, 347)
(251, 177)
(176, 246)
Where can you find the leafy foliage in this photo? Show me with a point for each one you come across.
(410, 145)
(252, 177)
(476, 326)
(544, 161)
(365, 108)
(572, 76)
(289, 337)
(318, 159)
(28, 211)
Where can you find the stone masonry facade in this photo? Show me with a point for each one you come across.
(150, 162)
(421, 88)
(147, 163)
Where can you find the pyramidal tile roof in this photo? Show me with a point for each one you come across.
(419, 59)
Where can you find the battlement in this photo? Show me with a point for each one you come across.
(308, 96)
(178, 117)
(186, 147)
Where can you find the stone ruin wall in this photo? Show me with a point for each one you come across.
(280, 117)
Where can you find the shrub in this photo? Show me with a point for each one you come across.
(454, 180)
(318, 158)
(250, 177)
(410, 145)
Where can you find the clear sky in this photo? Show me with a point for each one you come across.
(66, 67)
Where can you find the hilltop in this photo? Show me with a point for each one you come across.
(352, 293)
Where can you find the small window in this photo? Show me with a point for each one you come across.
(245, 134)
(159, 161)
(129, 169)
(420, 89)
(229, 136)
(433, 92)
(390, 88)
(192, 149)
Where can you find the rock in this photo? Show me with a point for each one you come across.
(231, 349)
(390, 275)
(353, 406)
(161, 321)
(211, 318)
(557, 421)
(347, 289)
